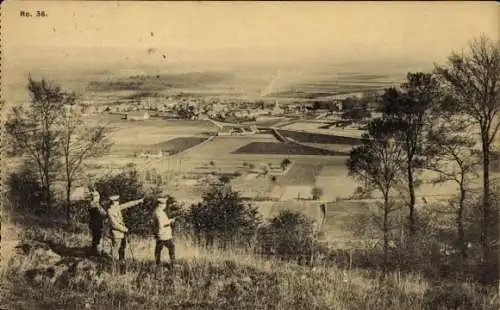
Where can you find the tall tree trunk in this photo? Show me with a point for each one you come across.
(68, 200)
(386, 229)
(460, 225)
(486, 204)
(47, 187)
(411, 205)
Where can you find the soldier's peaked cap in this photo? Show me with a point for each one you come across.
(162, 199)
(114, 197)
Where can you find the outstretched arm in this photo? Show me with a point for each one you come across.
(130, 204)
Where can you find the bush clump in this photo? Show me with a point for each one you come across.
(223, 218)
(288, 236)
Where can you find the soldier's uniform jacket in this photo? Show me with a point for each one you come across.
(118, 228)
(163, 225)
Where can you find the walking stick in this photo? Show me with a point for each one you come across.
(130, 247)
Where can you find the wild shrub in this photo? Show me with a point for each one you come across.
(223, 218)
(288, 236)
(24, 190)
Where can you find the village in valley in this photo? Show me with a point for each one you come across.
(286, 156)
(249, 139)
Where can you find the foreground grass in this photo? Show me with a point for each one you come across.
(218, 280)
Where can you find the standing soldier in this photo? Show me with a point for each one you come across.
(163, 232)
(118, 228)
(97, 216)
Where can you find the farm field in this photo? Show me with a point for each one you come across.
(301, 174)
(340, 148)
(129, 136)
(283, 149)
(339, 215)
(303, 126)
(178, 145)
(268, 121)
(314, 137)
(335, 182)
(318, 127)
(169, 145)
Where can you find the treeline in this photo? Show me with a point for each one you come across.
(444, 122)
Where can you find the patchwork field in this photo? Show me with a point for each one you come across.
(132, 136)
(322, 165)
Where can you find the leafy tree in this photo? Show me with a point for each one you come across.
(285, 163)
(224, 217)
(408, 110)
(450, 153)
(78, 144)
(34, 131)
(377, 162)
(355, 114)
(186, 110)
(316, 193)
(472, 81)
(351, 102)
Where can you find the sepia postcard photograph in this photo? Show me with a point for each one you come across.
(250, 155)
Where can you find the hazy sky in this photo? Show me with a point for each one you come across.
(375, 29)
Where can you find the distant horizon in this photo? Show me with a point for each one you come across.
(307, 41)
(88, 57)
(247, 32)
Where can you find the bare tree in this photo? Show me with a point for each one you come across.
(377, 162)
(34, 131)
(450, 153)
(78, 144)
(472, 79)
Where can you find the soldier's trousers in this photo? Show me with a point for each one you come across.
(118, 248)
(96, 239)
(169, 244)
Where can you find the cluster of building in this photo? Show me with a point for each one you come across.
(211, 107)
